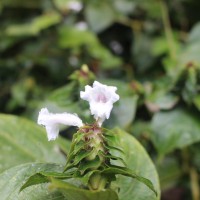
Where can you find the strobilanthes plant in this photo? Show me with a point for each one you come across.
(90, 159)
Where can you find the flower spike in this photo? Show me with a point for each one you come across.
(52, 121)
(90, 157)
(101, 98)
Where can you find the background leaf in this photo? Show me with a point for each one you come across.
(175, 129)
(99, 15)
(137, 160)
(125, 111)
(23, 141)
(11, 180)
(33, 28)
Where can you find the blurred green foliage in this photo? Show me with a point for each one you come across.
(148, 49)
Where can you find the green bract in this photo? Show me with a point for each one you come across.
(94, 159)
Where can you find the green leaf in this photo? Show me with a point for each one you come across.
(99, 15)
(125, 110)
(34, 180)
(73, 193)
(33, 28)
(93, 164)
(126, 172)
(12, 180)
(112, 157)
(83, 154)
(170, 172)
(77, 158)
(189, 54)
(43, 177)
(23, 141)
(109, 147)
(77, 137)
(63, 96)
(162, 100)
(175, 129)
(80, 145)
(139, 162)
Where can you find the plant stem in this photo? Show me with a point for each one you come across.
(191, 171)
(168, 29)
(194, 184)
(97, 182)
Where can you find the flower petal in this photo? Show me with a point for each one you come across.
(101, 98)
(52, 121)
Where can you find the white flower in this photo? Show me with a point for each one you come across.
(101, 98)
(52, 121)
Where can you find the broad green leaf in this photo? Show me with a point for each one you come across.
(23, 141)
(138, 161)
(175, 129)
(12, 180)
(99, 15)
(73, 193)
(126, 172)
(169, 171)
